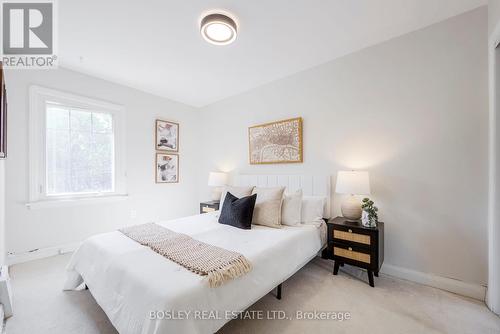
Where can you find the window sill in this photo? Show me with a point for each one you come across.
(57, 203)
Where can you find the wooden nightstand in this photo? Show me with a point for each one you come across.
(352, 243)
(209, 206)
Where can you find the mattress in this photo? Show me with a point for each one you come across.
(143, 292)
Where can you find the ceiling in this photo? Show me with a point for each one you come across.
(155, 45)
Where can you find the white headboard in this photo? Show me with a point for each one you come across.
(310, 185)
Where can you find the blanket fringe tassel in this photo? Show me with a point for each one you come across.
(233, 269)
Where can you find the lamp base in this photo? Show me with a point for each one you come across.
(216, 194)
(351, 208)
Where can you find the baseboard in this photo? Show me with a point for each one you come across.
(471, 290)
(2, 317)
(5, 293)
(16, 258)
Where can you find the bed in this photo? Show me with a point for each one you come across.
(138, 288)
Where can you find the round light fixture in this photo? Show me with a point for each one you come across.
(218, 29)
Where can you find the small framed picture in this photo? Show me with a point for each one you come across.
(167, 136)
(167, 168)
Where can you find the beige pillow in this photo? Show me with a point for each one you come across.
(236, 191)
(267, 210)
(291, 208)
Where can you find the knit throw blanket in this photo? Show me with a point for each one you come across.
(220, 265)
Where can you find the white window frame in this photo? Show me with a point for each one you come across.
(39, 96)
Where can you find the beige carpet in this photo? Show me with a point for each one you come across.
(393, 306)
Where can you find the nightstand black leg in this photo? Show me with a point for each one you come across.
(375, 273)
(278, 294)
(370, 278)
(336, 267)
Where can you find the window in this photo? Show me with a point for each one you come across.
(80, 151)
(76, 147)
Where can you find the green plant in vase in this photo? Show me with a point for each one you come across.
(369, 217)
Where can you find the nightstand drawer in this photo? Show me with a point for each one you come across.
(207, 209)
(349, 235)
(349, 253)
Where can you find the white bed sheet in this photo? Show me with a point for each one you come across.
(129, 280)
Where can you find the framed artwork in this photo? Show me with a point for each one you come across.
(167, 136)
(167, 168)
(3, 116)
(276, 142)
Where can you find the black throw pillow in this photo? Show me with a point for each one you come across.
(238, 212)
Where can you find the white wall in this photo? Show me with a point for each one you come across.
(413, 111)
(493, 14)
(30, 229)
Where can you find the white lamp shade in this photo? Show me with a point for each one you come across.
(217, 179)
(353, 182)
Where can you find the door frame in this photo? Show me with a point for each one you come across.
(493, 291)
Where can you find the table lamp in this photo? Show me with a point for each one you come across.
(352, 183)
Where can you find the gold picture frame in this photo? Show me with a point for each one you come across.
(276, 142)
(166, 140)
(167, 168)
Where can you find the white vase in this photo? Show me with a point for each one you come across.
(366, 221)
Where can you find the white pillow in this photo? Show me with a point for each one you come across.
(267, 209)
(312, 208)
(236, 191)
(292, 208)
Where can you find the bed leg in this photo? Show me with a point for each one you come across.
(278, 295)
(86, 287)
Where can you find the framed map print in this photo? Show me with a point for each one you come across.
(167, 136)
(276, 142)
(167, 168)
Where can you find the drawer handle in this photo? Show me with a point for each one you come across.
(349, 230)
(349, 248)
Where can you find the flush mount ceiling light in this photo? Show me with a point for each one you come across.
(218, 29)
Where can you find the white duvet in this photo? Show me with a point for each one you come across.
(129, 281)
